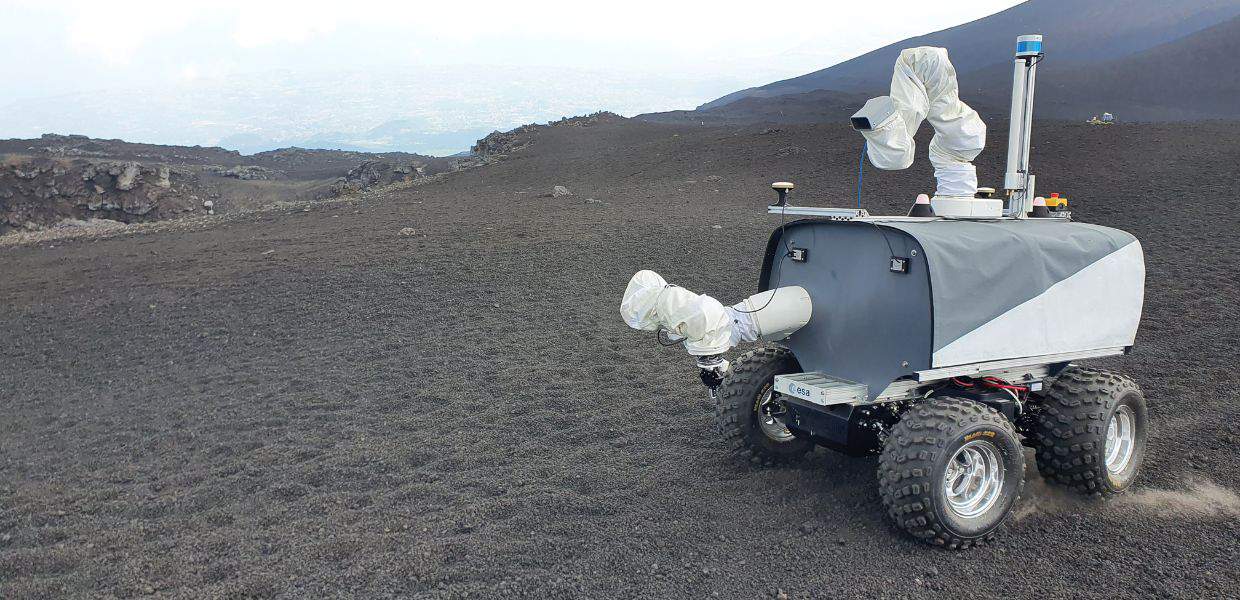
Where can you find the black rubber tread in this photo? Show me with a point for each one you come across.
(907, 467)
(1072, 427)
(735, 398)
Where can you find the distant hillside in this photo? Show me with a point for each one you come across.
(808, 107)
(407, 135)
(1191, 78)
(1091, 46)
(66, 182)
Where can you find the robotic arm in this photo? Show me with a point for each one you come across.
(705, 325)
(924, 87)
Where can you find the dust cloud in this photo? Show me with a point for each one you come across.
(1193, 498)
(1199, 498)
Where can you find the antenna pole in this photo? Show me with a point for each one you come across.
(1018, 182)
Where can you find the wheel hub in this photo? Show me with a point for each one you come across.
(974, 479)
(768, 409)
(1121, 439)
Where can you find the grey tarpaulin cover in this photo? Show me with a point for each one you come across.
(1016, 288)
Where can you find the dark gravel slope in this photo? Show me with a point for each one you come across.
(308, 404)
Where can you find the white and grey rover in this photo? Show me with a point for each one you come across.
(943, 343)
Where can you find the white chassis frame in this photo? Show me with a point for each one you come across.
(825, 390)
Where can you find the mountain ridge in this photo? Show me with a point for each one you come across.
(981, 50)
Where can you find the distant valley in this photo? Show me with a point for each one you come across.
(433, 111)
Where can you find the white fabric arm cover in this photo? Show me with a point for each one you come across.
(924, 87)
(706, 325)
(650, 304)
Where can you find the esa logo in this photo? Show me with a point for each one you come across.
(797, 390)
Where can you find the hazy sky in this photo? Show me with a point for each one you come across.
(67, 46)
(256, 74)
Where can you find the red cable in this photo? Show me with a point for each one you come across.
(999, 383)
(993, 382)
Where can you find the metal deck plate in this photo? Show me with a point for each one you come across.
(974, 369)
(837, 214)
(821, 389)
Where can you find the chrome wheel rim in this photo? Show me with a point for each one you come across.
(767, 409)
(974, 479)
(1121, 439)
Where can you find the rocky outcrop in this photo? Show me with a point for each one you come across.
(589, 120)
(502, 143)
(379, 172)
(127, 178)
(71, 178)
(246, 173)
(53, 145)
(499, 144)
(40, 192)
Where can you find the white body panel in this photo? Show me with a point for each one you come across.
(966, 207)
(1097, 307)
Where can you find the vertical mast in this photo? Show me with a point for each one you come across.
(1017, 180)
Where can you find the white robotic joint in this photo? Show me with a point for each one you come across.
(776, 314)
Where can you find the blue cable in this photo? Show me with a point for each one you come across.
(860, 172)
